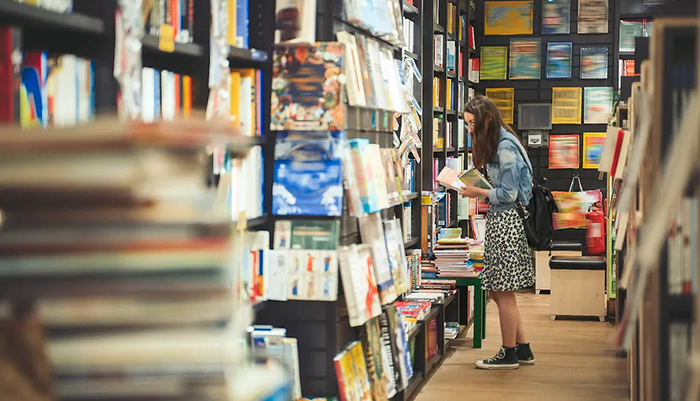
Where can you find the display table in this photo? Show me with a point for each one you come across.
(479, 305)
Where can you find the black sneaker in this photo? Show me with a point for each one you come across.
(524, 354)
(505, 359)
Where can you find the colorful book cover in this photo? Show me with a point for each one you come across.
(362, 382)
(396, 253)
(594, 62)
(525, 58)
(504, 98)
(597, 105)
(593, 16)
(559, 55)
(307, 188)
(242, 22)
(593, 145)
(566, 105)
(494, 63)
(359, 284)
(628, 31)
(363, 176)
(371, 336)
(556, 17)
(508, 18)
(345, 374)
(391, 355)
(564, 152)
(307, 88)
(474, 178)
(398, 334)
(373, 235)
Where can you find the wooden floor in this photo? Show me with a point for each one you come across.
(575, 362)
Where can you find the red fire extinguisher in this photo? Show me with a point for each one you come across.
(595, 230)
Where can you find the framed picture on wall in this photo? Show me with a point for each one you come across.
(594, 62)
(525, 59)
(559, 56)
(556, 17)
(597, 105)
(593, 144)
(508, 18)
(504, 98)
(564, 152)
(494, 63)
(592, 16)
(566, 105)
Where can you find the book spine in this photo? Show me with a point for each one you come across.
(10, 73)
(184, 36)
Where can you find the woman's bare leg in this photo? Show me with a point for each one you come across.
(508, 315)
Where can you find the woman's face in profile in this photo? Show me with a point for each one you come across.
(469, 120)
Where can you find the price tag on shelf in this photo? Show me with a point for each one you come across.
(167, 38)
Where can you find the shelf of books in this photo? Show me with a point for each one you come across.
(653, 163)
(122, 237)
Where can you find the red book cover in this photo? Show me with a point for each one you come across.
(10, 77)
(461, 63)
(175, 16)
(471, 37)
(618, 148)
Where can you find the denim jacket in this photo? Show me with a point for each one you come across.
(509, 174)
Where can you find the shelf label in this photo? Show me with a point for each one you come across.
(167, 38)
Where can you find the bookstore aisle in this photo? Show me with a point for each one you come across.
(575, 361)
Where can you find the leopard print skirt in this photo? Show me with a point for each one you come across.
(507, 257)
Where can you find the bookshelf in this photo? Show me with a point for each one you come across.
(662, 352)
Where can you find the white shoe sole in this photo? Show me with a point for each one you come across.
(528, 363)
(488, 366)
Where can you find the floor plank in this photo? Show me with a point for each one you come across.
(575, 362)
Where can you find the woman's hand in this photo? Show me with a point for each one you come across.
(473, 192)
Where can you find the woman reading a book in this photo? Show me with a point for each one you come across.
(507, 257)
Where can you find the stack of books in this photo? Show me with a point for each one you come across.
(451, 252)
(114, 233)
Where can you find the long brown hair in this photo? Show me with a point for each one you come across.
(487, 129)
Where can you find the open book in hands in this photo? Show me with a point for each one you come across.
(457, 181)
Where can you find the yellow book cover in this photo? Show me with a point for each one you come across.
(247, 109)
(235, 99)
(364, 390)
(231, 34)
(186, 96)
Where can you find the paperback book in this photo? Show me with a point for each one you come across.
(373, 235)
(307, 87)
(359, 284)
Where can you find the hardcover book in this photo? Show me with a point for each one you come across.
(307, 88)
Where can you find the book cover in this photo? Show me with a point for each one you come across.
(564, 152)
(306, 88)
(313, 188)
(10, 74)
(362, 176)
(474, 178)
(594, 62)
(566, 105)
(390, 359)
(345, 375)
(450, 178)
(628, 31)
(593, 16)
(559, 55)
(525, 59)
(295, 21)
(374, 157)
(371, 337)
(370, 94)
(34, 106)
(306, 234)
(504, 98)
(556, 17)
(242, 22)
(362, 381)
(598, 105)
(404, 354)
(353, 70)
(396, 253)
(373, 235)
(359, 284)
(508, 18)
(494, 61)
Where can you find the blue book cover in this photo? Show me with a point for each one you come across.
(156, 92)
(242, 31)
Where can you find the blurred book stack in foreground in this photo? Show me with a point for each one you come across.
(127, 256)
(451, 253)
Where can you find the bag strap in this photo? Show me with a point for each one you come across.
(574, 179)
